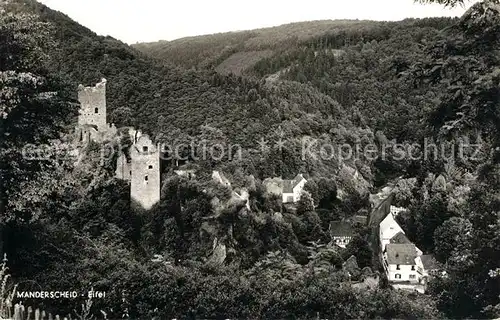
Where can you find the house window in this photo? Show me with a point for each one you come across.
(412, 268)
(96, 110)
(150, 167)
(145, 178)
(412, 276)
(145, 149)
(398, 267)
(397, 276)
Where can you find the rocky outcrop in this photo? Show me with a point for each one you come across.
(351, 266)
(218, 255)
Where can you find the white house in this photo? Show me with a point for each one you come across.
(388, 228)
(401, 262)
(341, 233)
(293, 188)
(220, 178)
(405, 266)
(190, 174)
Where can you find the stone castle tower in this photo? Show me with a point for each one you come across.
(92, 123)
(144, 173)
(93, 104)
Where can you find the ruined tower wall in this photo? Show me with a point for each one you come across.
(145, 178)
(93, 105)
(123, 168)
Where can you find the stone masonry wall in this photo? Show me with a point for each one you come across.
(93, 105)
(145, 178)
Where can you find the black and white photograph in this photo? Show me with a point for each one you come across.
(264, 159)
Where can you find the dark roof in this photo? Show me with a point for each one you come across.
(399, 238)
(430, 263)
(381, 211)
(401, 253)
(288, 185)
(341, 229)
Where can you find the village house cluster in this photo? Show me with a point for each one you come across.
(404, 263)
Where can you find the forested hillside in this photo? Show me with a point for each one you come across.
(357, 63)
(68, 226)
(209, 50)
(165, 101)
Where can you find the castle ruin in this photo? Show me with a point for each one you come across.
(123, 168)
(142, 169)
(92, 125)
(145, 173)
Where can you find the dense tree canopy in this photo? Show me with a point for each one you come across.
(35, 105)
(335, 83)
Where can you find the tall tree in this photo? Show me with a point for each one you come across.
(466, 62)
(34, 105)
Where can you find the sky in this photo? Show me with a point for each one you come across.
(133, 21)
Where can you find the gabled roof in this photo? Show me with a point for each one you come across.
(341, 229)
(389, 227)
(403, 254)
(220, 178)
(288, 185)
(430, 263)
(400, 238)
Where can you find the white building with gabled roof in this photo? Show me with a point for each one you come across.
(292, 189)
(388, 228)
(401, 262)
